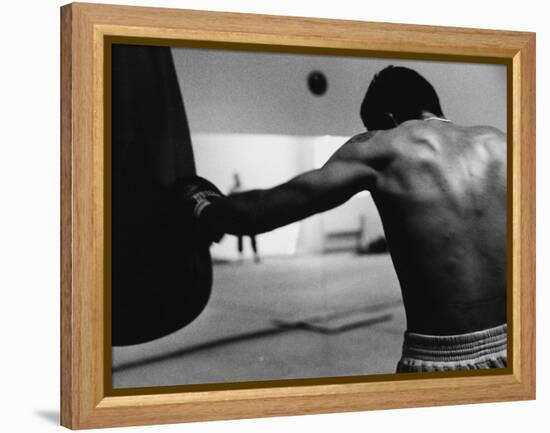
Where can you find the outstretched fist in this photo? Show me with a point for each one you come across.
(197, 193)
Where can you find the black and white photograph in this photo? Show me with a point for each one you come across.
(285, 216)
(275, 216)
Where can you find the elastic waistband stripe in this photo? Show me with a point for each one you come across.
(456, 347)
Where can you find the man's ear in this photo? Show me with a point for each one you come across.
(392, 117)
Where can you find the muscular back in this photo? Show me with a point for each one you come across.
(441, 193)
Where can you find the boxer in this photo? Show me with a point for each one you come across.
(440, 189)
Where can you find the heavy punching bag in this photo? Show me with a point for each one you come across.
(161, 274)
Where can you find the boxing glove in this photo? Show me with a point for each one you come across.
(196, 194)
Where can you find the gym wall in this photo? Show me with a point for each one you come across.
(267, 93)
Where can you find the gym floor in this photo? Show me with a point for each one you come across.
(328, 315)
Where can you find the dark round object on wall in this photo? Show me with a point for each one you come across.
(317, 83)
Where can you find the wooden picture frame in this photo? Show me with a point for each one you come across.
(85, 28)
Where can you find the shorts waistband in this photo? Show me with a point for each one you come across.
(453, 348)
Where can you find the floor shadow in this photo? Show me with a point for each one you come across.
(247, 336)
(50, 415)
(279, 327)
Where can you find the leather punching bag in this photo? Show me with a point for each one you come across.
(161, 274)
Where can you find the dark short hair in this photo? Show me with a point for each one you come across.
(395, 95)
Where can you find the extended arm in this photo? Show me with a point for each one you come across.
(259, 211)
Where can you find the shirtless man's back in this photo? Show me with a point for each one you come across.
(440, 190)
